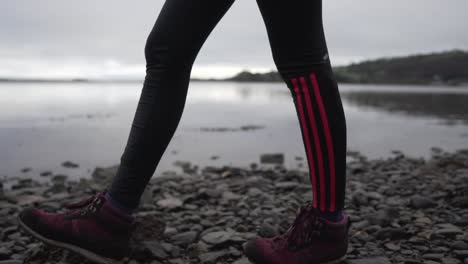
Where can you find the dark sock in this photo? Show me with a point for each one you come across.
(335, 216)
(117, 206)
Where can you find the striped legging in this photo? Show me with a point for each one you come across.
(296, 36)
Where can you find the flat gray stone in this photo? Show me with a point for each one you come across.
(216, 238)
(184, 238)
(371, 260)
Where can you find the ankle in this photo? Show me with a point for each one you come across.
(118, 206)
(334, 216)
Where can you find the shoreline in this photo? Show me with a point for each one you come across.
(403, 210)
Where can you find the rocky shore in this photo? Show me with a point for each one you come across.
(403, 210)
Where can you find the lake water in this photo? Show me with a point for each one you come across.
(45, 124)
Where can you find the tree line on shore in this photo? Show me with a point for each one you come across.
(449, 67)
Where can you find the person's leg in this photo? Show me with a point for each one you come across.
(320, 232)
(99, 228)
(299, 49)
(178, 34)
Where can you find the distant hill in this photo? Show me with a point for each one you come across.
(246, 76)
(445, 67)
(436, 68)
(449, 68)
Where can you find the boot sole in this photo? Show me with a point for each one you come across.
(249, 247)
(81, 251)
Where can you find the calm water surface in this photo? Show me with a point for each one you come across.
(43, 125)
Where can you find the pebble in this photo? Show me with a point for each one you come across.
(69, 164)
(156, 249)
(5, 253)
(211, 257)
(184, 238)
(372, 260)
(421, 202)
(403, 210)
(275, 158)
(216, 237)
(460, 245)
(170, 203)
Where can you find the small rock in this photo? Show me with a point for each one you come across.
(392, 246)
(24, 170)
(459, 245)
(276, 158)
(69, 164)
(185, 238)
(384, 217)
(286, 185)
(391, 233)
(448, 231)
(461, 253)
(216, 238)
(156, 249)
(433, 256)
(371, 260)
(242, 261)
(211, 257)
(230, 196)
(28, 199)
(267, 230)
(5, 253)
(170, 203)
(450, 261)
(421, 202)
(46, 173)
(104, 175)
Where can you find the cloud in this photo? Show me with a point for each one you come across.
(73, 37)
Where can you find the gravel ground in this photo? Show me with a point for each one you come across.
(403, 210)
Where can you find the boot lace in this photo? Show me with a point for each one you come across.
(307, 226)
(85, 207)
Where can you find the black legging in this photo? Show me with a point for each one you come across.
(295, 32)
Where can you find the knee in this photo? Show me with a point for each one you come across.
(161, 56)
(295, 66)
(156, 53)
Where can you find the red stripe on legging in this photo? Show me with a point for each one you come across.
(328, 139)
(318, 149)
(305, 131)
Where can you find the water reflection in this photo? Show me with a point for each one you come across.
(448, 105)
(450, 108)
(41, 125)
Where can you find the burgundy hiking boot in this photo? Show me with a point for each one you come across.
(91, 228)
(310, 240)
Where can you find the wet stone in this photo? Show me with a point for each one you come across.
(156, 249)
(69, 164)
(372, 260)
(45, 173)
(242, 261)
(184, 238)
(275, 158)
(216, 237)
(211, 257)
(421, 202)
(5, 253)
(170, 203)
(391, 233)
(267, 230)
(207, 214)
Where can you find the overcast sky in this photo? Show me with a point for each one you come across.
(105, 38)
